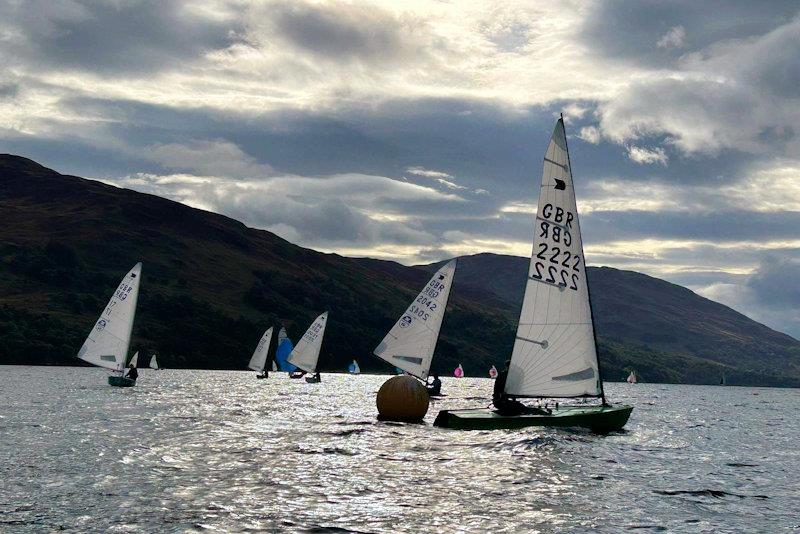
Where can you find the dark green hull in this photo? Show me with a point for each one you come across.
(121, 382)
(595, 418)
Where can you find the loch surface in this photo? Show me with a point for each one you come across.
(220, 451)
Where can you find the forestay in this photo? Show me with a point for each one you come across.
(554, 351)
(306, 353)
(107, 344)
(259, 359)
(410, 343)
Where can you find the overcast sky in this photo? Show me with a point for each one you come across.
(414, 131)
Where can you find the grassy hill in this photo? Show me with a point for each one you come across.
(210, 286)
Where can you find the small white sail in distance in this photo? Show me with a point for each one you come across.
(410, 343)
(153, 362)
(259, 359)
(108, 342)
(305, 354)
(632, 378)
(274, 366)
(554, 351)
(135, 360)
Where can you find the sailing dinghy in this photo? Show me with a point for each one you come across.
(555, 350)
(631, 378)
(458, 372)
(305, 354)
(354, 369)
(108, 342)
(410, 343)
(493, 372)
(258, 361)
(154, 363)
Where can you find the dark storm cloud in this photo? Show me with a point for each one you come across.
(112, 37)
(776, 282)
(341, 31)
(631, 29)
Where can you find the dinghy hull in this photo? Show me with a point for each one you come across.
(595, 418)
(121, 382)
(312, 380)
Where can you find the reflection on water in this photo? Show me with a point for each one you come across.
(222, 451)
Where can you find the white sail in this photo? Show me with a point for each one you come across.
(410, 343)
(259, 359)
(632, 378)
(554, 351)
(306, 353)
(274, 366)
(108, 342)
(153, 362)
(135, 360)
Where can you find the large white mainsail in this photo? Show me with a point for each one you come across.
(554, 351)
(306, 353)
(259, 359)
(410, 343)
(108, 342)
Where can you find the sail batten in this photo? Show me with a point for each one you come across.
(555, 353)
(411, 342)
(108, 342)
(305, 354)
(259, 359)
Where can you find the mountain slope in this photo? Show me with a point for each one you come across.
(210, 287)
(646, 323)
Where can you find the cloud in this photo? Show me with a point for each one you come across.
(647, 156)
(208, 158)
(590, 134)
(674, 38)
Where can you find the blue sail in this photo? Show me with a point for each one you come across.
(285, 347)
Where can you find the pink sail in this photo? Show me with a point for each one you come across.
(493, 372)
(459, 371)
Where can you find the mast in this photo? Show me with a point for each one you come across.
(588, 285)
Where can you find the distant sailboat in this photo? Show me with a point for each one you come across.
(410, 344)
(306, 354)
(722, 380)
(493, 372)
(285, 347)
(108, 342)
(354, 369)
(135, 360)
(632, 378)
(555, 351)
(258, 361)
(154, 363)
(458, 372)
(274, 366)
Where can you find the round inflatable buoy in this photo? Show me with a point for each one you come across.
(402, 398)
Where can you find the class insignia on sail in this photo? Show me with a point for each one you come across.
(258, 361)
(305, 355)
(108, 342)
(555, 350)
(411, 342)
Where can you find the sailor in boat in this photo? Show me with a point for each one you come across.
(316, 377)
(132, 373)
(435, 387)
(507, 405)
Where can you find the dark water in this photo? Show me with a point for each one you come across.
(222, 451)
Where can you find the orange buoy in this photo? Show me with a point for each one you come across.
(402, 398)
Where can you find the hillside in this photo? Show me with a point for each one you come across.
(210, 287)
(666, 332)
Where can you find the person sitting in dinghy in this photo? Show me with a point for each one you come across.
(435, 387)
(133, 374)
(507, 405)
